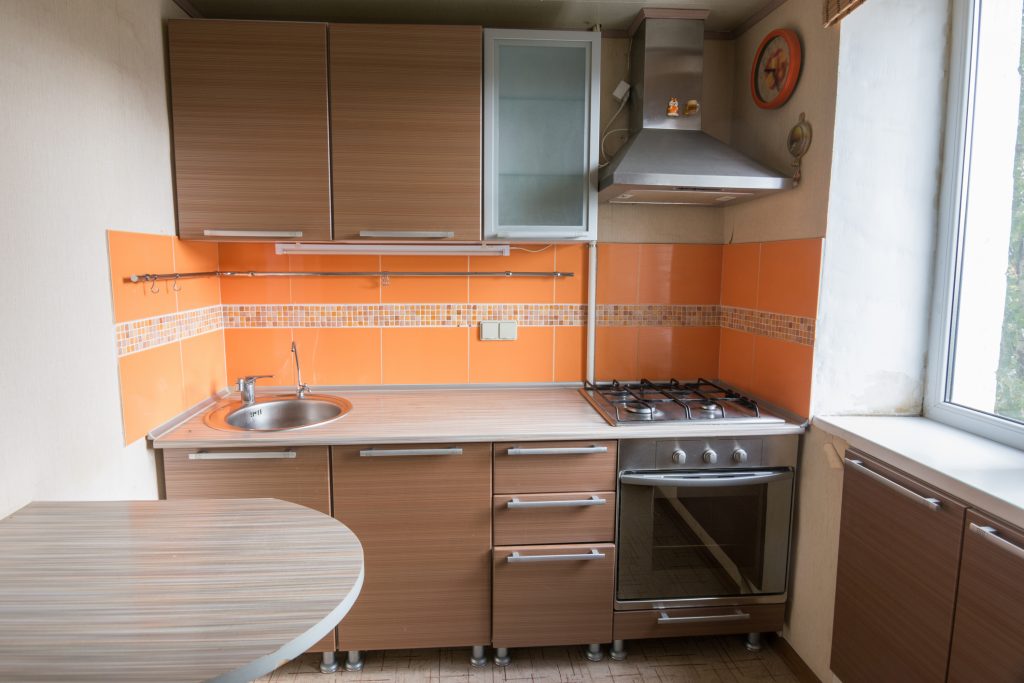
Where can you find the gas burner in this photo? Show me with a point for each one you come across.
(710, 406)
(647, 401)
(642, 409)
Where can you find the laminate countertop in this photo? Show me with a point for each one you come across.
(457, 415)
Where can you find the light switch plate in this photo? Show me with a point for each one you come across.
(489, 330)
(508, 330)
(498, 330)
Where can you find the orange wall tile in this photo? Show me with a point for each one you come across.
(133, 253)
(334, 290)
(782, 373)
(196, 257)
(514, 290)
(260, 352)
(339, 355)
(618, 273)
(680, 274)
(570, 354)
(527, 359)
(740, 267)
(257, 290)
(151, 389)
(615, 353)
(203, 366)
(788, 278)
(575, 259)
(736, 358)
(695, 352)
(429, 290)
(425, 355)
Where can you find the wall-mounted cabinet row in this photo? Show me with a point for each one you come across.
(314, 132)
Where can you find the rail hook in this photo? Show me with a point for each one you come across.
(175, 286)
(152, 284)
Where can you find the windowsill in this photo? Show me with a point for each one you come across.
(984, 474)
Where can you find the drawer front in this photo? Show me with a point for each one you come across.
(553, 594)
(587, 517)
(698, 621)
(554, 466)
(297, 475)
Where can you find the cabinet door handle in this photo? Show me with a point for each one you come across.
(252, 233)
(242, 455)
(930, 503)
(991, 534)
(592, 555)
(558, 451)
(381, 452)
(733, 616)
(408, 234)
(516, 504)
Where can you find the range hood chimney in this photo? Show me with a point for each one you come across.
(668, 159)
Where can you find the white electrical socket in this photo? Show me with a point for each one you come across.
(621, 91)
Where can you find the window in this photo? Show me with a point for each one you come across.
(976, 378)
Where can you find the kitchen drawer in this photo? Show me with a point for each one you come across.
(563, 599)
(698, 621)
(554, 466)
(298, 475)
(587, 517)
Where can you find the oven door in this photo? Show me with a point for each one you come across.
(703, 537)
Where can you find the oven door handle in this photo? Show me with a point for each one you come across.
(737, 615)
(703, 480)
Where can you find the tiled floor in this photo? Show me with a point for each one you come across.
(712, 660)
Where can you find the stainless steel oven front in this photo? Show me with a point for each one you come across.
(704, 521)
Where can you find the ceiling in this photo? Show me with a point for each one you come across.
(727, 16)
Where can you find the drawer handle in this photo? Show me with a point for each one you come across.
(991, 534)
(252, 233)
(516, 504)
(734, 616)
(409, 234)
(930, 503)
(558, 451)
(592, 555)
(243, 455)
(381, 453)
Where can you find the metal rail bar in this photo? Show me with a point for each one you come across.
(153, 277)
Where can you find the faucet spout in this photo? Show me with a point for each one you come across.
(300, 389)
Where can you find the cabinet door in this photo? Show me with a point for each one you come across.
(249, 108)
(899, 550)
(423, 515)
(540, 134)
(555, 466)
(988, 633)
(405, 131)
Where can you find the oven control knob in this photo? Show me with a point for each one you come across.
(739, 456)
(710, 457)
(679, 456)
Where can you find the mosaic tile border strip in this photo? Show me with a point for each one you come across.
(791, 328)
(138, 335)
(400, 315)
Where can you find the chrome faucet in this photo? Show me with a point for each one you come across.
(247, 387)
(300, 389)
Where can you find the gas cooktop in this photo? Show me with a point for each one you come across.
(643, 402)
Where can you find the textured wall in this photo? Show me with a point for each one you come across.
(85, 148)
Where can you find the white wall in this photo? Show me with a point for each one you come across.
(84, 146)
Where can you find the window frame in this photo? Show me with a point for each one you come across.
(952, 205)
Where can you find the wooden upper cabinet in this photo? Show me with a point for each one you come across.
(989, 632)
(899, 554)
(250, 121)
(405, 131)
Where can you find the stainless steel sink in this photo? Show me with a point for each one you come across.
(277, 413)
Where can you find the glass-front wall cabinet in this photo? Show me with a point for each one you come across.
(540, 134)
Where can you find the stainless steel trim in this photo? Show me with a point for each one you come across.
(557, 451)
(991, 534)
(516, 504)
(671, 603)
(704, 479)
(594, 554)
(242, 455)
(252, 233)
(391, 452)
(409, 234)
(930, 503)
(738, 615)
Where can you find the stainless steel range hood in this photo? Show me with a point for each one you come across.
(669, 160)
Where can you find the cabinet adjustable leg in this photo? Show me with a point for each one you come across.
(618, 651)
(354, 661)
(478, 657)
(594, 653)
(329, 663)
(754, 642)
(501, 657)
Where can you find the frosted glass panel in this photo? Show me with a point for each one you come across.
(541, 121)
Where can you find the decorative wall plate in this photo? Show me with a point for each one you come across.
(776, 69)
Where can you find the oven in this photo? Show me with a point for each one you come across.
(703, 522)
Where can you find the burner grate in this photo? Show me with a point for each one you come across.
(673, 400)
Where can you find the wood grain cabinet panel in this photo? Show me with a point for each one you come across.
(988, 633)
(554, 466)
(586, 517)
(423, 515)
(557, 602)
(250, 120)
(405, 127)
(899, 554)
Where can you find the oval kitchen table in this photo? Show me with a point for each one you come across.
(184, 590)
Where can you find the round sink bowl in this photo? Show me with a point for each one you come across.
(277, 413)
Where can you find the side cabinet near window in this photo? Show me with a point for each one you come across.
(423, 515)
(541, 134)
(988, 635)
(899, 553)
(249, 113)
